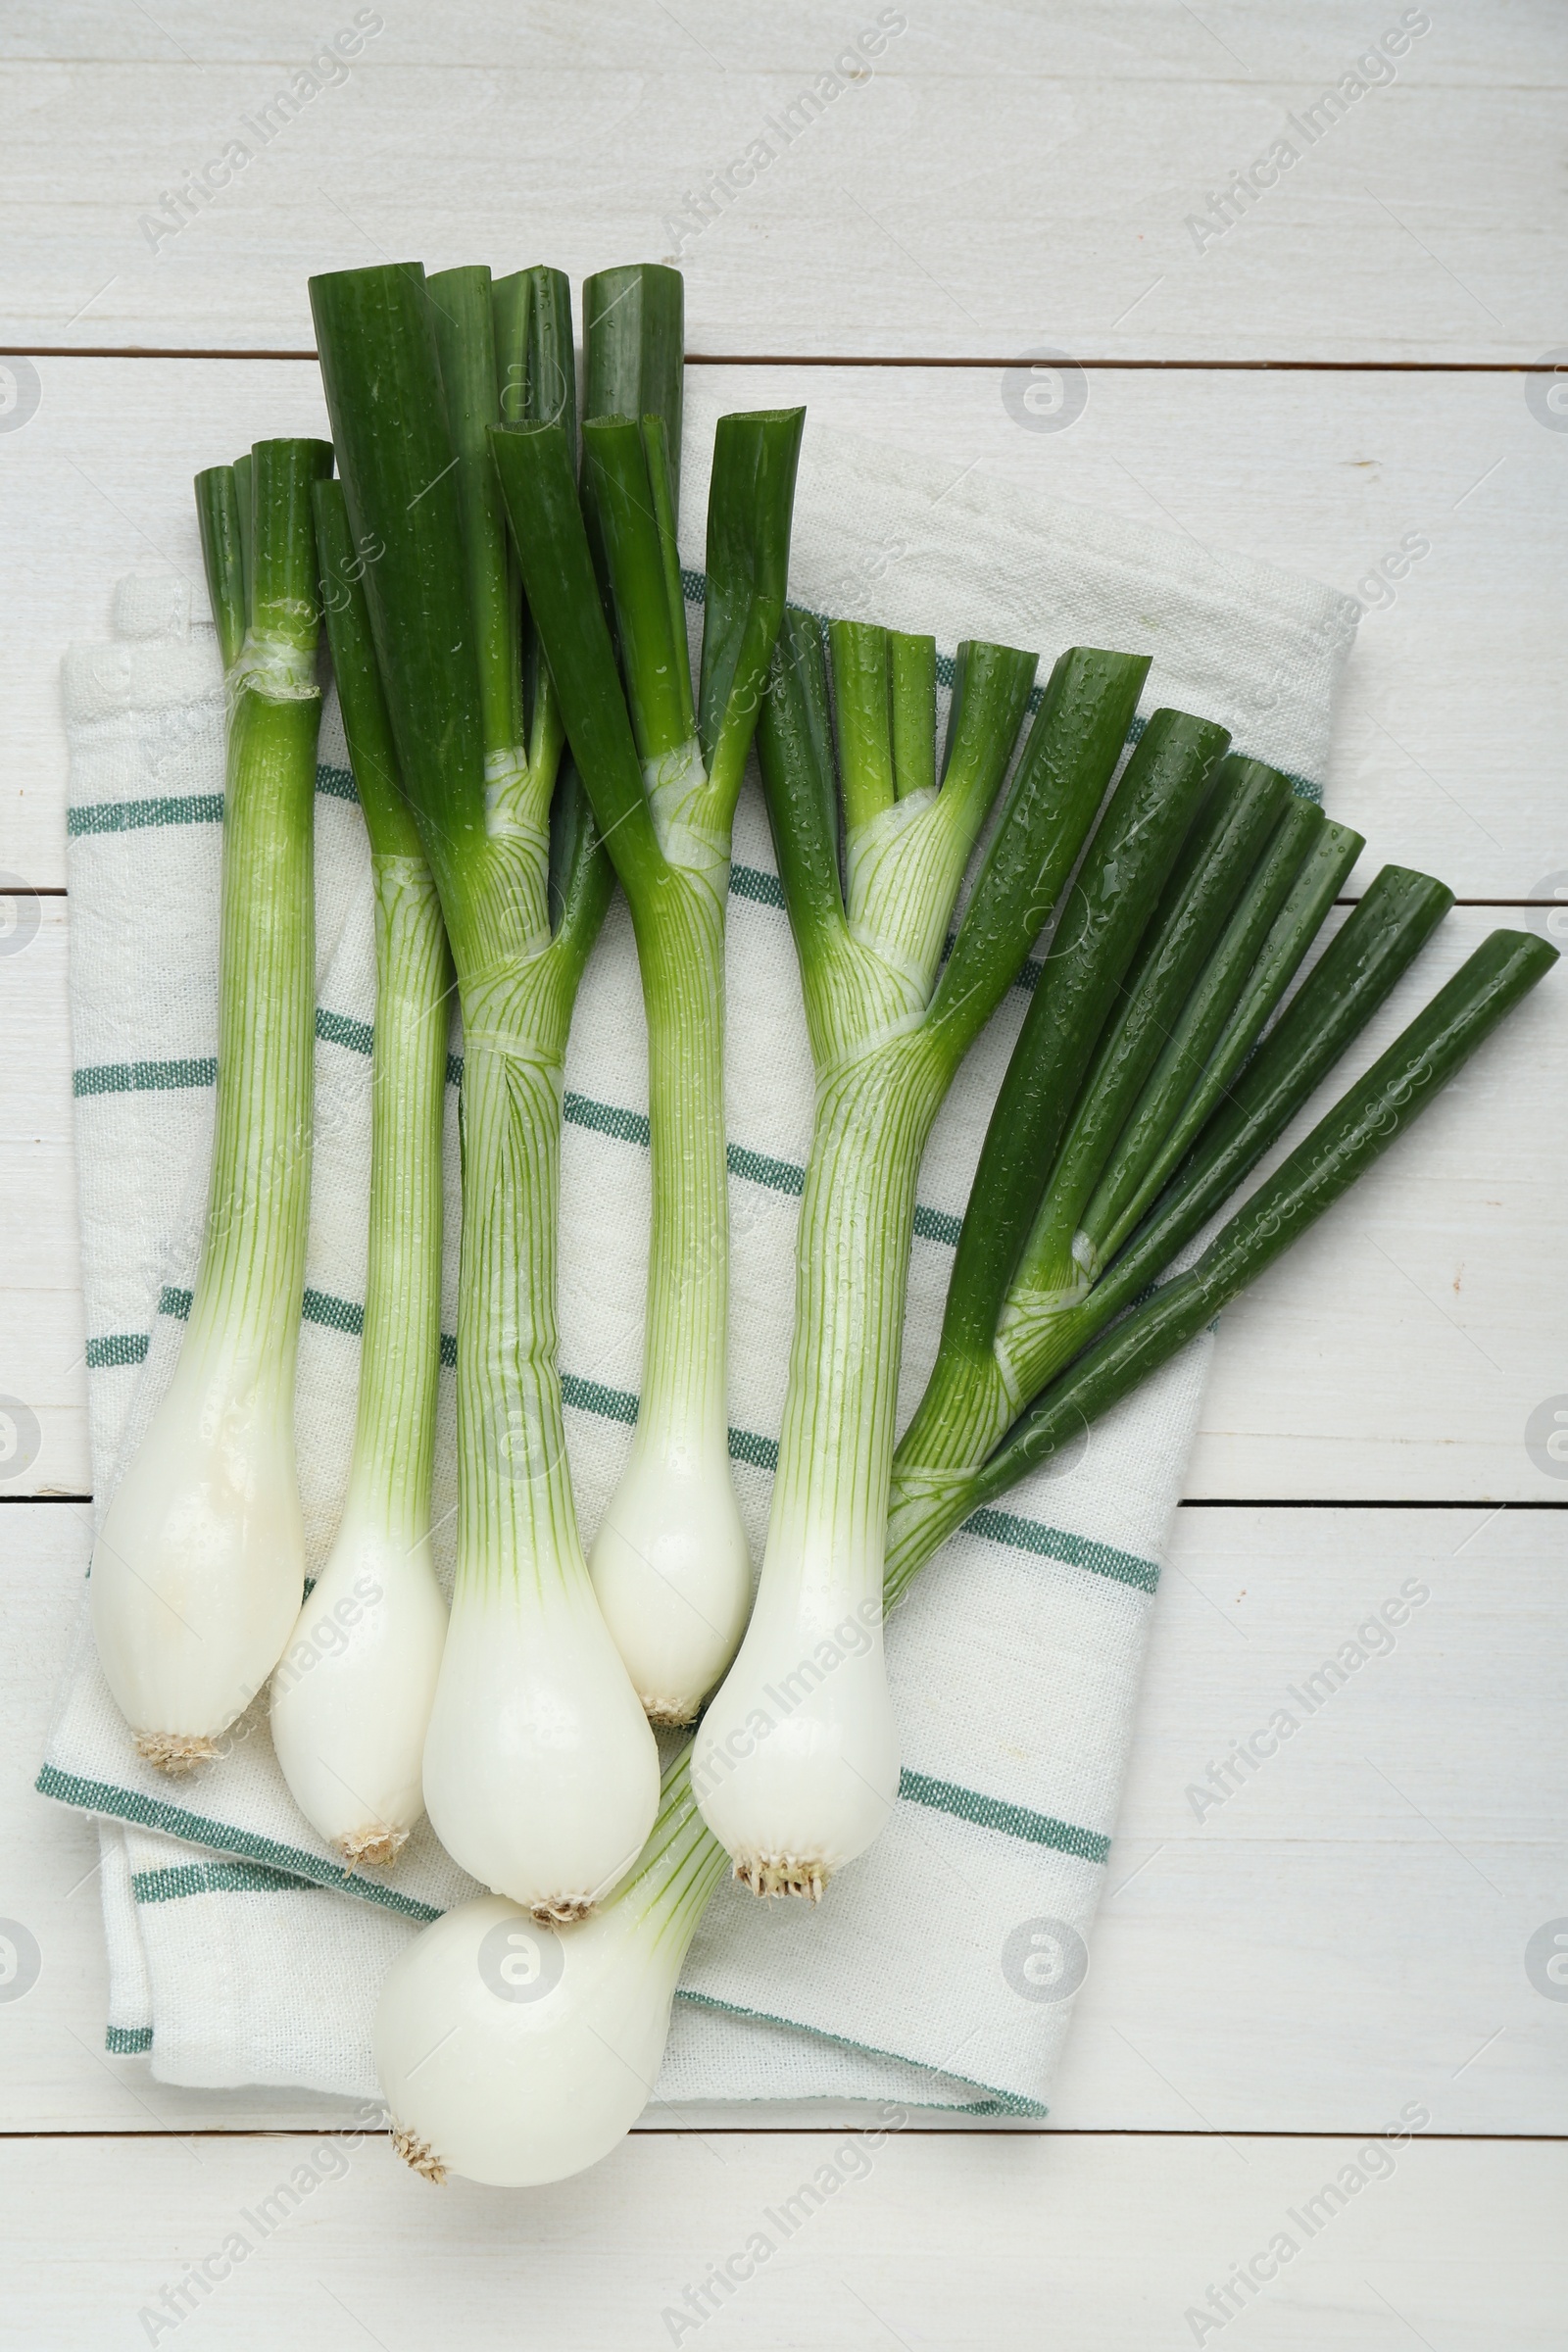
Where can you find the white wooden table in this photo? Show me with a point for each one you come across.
(1339, 369)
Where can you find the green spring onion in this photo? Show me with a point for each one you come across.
(540, 1772)
(1256, 874)
(199, 1567)
(1401, 1083)
(796, 1768)
(351, 1700)
(662, 769)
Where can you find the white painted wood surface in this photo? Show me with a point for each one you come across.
(1101, 2243)
(1000, 178)
(1345, 1934)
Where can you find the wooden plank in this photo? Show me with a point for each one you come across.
(1325, 1929)
(1449, 750)
(1098, 2242)
(842, 183)
(1396, 1353)
(1343, 1930)
(1400, 1351)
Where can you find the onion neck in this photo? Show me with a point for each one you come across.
(394, 1438)
(827, 1525)
(516, 1519)
(243, 1329)
(683, 1413)
(679, 1867)
(968, 1408)
(924, 1508)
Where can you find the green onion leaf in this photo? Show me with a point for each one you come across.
(1401, 1084)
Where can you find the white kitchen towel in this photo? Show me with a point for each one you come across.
(941, 1969)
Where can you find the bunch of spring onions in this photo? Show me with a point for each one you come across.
(505, 610)
(516, 2056)
(540, 1775)
(452, 410)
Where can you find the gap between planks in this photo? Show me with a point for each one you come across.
(760, 2131)
(1202, 1502)
(787, 359)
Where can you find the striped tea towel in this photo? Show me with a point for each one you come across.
(939, 1970)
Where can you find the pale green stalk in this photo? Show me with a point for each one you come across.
(198, 1567)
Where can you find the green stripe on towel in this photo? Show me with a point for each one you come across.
(755, 883)
(609, 1405)
(935, 1225)
(175, 1820)
(1000, 2102)
(604, 1118)
(316, 1307)
(1053, 1543)
(144, 1077)
(119, 1348)
(1013, 1821)
(137, 816)
(173, 1885)
(745, 1446)
(778, 1175)
(336, 1314)
(339, 1029)
(166, 1077)
(127, 2042)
